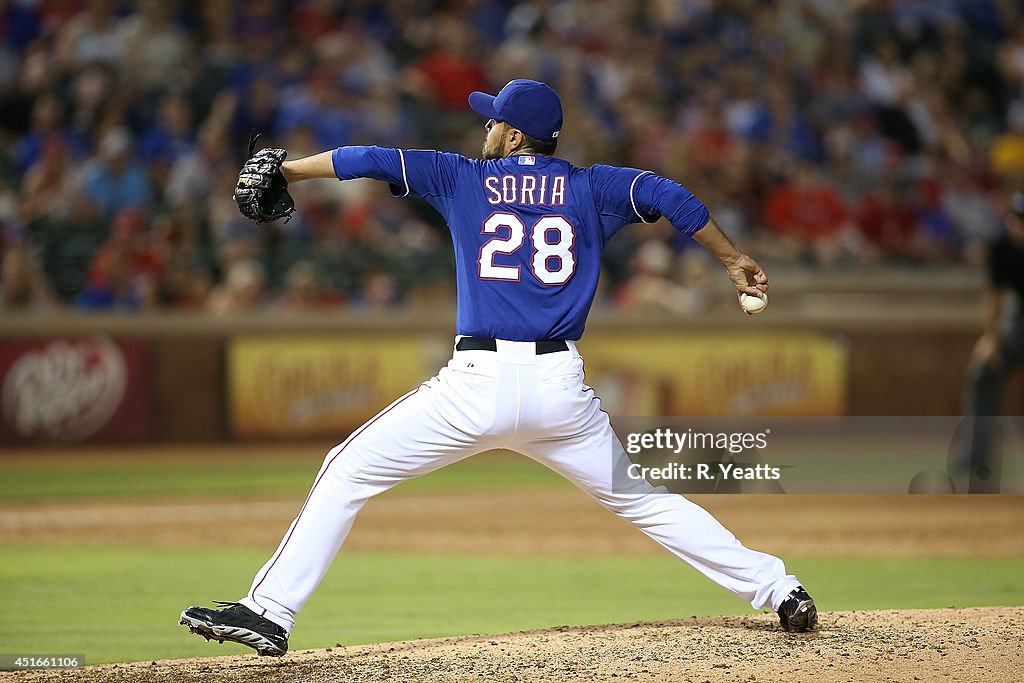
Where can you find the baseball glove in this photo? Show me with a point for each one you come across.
(262, 191)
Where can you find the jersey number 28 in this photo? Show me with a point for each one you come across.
(552, 236)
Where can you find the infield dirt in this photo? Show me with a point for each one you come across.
(549, 523)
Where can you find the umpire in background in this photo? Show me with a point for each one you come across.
(997, 352)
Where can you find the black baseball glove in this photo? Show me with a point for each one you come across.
(262, 192)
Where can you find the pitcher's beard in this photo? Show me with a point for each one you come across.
(496, 153)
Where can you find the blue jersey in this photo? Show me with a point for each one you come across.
(528, 230)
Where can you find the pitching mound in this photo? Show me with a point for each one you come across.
(979, 644)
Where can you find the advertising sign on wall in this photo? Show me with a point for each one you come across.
(718, 373)
(70, 390)
(310, 385)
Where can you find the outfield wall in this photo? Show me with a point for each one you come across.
(189, 378)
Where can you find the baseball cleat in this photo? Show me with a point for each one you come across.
(797, 612)
(238, 624)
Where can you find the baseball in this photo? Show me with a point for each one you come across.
(753, 304)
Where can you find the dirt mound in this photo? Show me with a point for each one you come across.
(978, 644)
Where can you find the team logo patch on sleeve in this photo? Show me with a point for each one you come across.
(527, 160)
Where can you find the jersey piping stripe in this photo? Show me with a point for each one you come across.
(633, 201)
(405, 178)
(344, 444)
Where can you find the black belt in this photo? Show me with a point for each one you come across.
(486, 344)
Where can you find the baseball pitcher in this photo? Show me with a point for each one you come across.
(528, 230)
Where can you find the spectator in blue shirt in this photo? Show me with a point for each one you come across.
(113, 180)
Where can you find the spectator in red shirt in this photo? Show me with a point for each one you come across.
(450, 72)
(121, 273)
(888, 221)
(808, 216)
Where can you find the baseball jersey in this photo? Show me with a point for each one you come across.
(528, 230)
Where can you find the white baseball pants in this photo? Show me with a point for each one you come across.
(511, 398)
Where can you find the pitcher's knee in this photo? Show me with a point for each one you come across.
(629, 506)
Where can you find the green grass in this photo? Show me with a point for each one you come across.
(287, 471)
(228, 475)
(121, 603)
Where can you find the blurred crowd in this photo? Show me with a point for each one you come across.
(834, 133)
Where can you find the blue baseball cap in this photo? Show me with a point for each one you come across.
(530, 106)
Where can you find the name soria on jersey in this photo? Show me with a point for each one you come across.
(526, 190)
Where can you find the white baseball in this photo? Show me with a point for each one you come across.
(753, 304)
